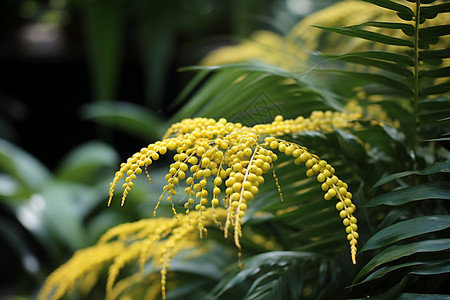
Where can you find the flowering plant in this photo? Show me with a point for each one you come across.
(375, 120)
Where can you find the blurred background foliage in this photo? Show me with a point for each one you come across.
(84, 84)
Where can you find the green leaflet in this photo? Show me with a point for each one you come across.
(396, 86)
(434, 168)
(430, 12)
(368, 35)
(429, 190)
(404, 12)
(407, 29)
(406, 229)
(382, 271)
(441, 53)
(417, 267)
(384, 56)
(441, 72)
(434, 110)
(397, 251)
(387, 66)
(436, 89)
(431, 34)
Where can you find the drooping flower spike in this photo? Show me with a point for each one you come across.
(154, 240)
(235, 158)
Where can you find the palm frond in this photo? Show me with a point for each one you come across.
(249, 93)
(281, 275)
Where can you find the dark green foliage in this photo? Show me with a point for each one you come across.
(397, 169)
(405, 213)
(413, 234)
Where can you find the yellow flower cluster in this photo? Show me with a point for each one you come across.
(223, 163)
(331, 184)
(89, 260)
(158, 238)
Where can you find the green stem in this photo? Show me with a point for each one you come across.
(416, 75)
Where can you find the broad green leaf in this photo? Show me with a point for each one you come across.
(406, 229)
(369, 35)
(84, 163)
(398, 251)
(133, 119)
(430, 190)
(22, 166)
(434, 168)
